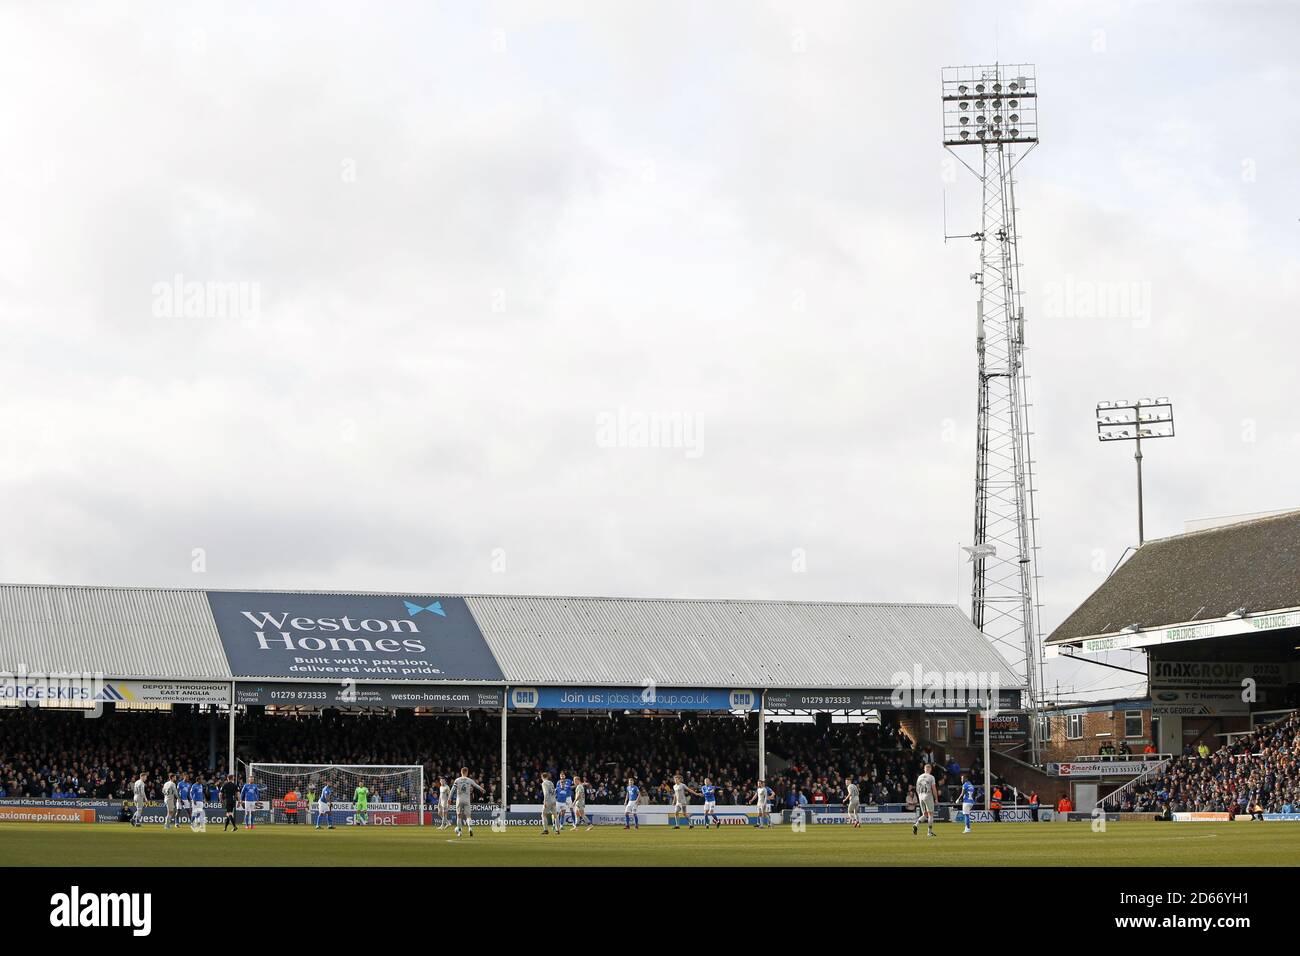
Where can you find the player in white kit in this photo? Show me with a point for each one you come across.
(681, 801)
(549, 810)
(169, 801)
(463, 787)
(762, 799)
(851, 792)
(444, 803)
(138, 798)
(925, 794)
(580, 803)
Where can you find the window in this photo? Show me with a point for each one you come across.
(1132, 723)
(1045, 730)
(1074, 726)
(942, 733)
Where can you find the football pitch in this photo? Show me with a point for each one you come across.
(1047, 844)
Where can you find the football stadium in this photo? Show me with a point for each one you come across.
(670, 719)
(522, 449)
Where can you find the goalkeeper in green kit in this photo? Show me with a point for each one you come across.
(361, 797)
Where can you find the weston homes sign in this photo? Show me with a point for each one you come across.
(358, 637)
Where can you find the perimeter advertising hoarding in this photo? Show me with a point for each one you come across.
(355, 694)
(631, 698)
(353, 637)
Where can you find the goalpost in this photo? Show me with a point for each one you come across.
(289, 793)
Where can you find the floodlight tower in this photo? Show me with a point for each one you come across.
(990, 114)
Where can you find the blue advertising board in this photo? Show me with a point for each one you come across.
(631, 698)
(357, 637)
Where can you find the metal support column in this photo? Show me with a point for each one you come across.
(505, 709)
(230, 765)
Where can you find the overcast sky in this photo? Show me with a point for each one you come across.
(473, 248)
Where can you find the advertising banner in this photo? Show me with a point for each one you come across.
(165, 691)
(1215, 674)
(1167, 702)
(88, 688)
(351, 637)
(1209, 688)
(1100, 768)
(1007, 728)
(883, 699)
(1013, 815)
(1181, 633)
(64, 814)
(630, 698)
(605, 814)
(839, 815)
(357, 694)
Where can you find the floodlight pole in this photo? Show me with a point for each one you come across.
(762, 740)
(1132, 421)
(1137, 456)
(230, 766)
(988, 767)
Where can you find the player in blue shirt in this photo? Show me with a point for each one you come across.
(967, 800)
(183, 791)
(633, 801)
(249, 795)
(710, 794)
(323, 807)
(564, 798)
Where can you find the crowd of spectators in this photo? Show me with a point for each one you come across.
(1253, 775)
(55, 754)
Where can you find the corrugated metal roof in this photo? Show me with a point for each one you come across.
(170, 633)
(624, 641)
(119, 632)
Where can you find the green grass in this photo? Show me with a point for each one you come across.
(1046, 844)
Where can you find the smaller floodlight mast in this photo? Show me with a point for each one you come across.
(1133, 421)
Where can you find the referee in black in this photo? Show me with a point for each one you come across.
(229, 793)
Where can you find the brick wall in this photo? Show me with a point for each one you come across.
(1098, 729)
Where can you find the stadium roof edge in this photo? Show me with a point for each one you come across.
(478, 594)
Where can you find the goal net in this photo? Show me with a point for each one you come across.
(291, 793)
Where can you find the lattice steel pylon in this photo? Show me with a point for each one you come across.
(994, 109)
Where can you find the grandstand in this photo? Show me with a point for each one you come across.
(203, 682)
(1217, 613)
